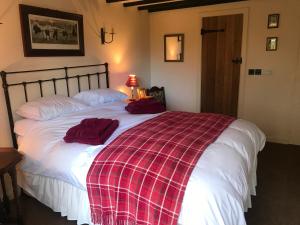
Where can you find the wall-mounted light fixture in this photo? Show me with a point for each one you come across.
(103, 36)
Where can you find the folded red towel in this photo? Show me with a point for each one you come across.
(92, 131)
(145, 106)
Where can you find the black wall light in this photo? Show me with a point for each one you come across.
(103, 36)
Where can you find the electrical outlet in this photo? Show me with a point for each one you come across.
(258, 72)
(266, 72)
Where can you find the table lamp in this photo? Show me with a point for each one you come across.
(132, 82)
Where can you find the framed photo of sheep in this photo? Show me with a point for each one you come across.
(48, 32)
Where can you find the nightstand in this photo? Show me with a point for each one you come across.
(137, 99)
(128, 100)
(9, 158)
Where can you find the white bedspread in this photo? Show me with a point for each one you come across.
(219, 188)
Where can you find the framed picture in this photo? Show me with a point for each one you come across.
(272, 43)
(141, 93)
(174, 47)
(48, 32)
(273, 20)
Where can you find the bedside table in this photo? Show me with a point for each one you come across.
(128, 100)
(9, 158)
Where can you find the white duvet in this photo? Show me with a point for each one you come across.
(219, 188)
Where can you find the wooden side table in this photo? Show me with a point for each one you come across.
(9, 158)
(128, 100)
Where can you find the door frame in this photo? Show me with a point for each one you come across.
(243, 69)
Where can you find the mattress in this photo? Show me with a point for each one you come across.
(218, 191)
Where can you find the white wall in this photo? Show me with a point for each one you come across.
(129, 53)
(270, 101)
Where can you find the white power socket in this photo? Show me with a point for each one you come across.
(266, 72)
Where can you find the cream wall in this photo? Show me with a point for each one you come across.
(129, 53)
(270, 101)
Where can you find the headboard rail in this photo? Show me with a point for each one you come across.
(6, 85)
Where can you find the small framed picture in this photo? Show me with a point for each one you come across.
(273, 20)
(141, 93)
(272, 43)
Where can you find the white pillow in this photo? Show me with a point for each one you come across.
(49, 107)
(100, 96)
(22, 126)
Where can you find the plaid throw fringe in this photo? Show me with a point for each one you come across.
(140, 178)
(111, 220)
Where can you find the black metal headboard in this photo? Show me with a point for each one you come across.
(66, 77)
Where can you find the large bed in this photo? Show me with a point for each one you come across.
(54, 172)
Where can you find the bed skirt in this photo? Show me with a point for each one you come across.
(73, 202)
(60, 196)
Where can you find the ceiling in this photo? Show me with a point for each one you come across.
(163, 5)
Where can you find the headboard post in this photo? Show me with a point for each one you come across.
(8, 106)
(106, 74)
(67, 80)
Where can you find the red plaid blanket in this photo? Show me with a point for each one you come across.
(140, 178)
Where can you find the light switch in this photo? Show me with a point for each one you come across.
(257, 72)
(251, 72)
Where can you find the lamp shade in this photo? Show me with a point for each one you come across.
(132, 81)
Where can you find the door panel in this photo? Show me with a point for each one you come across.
(221, 55)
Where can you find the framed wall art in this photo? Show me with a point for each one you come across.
(141, 93)
(272, 43)
(273, 20)
(174, 47)
(48, 32)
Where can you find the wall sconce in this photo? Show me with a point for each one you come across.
(103, 36)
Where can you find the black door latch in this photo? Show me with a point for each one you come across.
(204, 31)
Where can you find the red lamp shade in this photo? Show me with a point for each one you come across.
(132, 81)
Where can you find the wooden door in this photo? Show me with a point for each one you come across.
(221, 59)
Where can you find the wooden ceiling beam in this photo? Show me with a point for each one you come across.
(144, 2)
(183, 4)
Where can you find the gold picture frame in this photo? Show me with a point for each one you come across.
(141, 92)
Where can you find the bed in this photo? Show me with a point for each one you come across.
(218, 191)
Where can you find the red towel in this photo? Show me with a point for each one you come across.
(92, 131)
(145, 106)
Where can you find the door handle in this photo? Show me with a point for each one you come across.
(237, 60)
